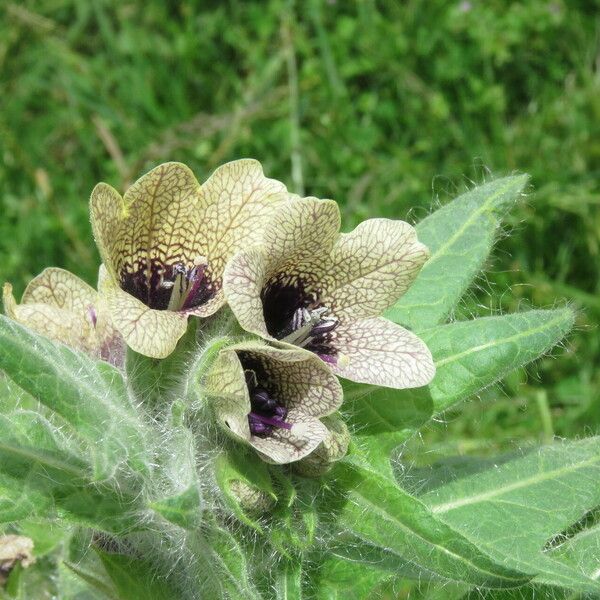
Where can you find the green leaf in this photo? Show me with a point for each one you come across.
(353, 570)
(534, 498)
(295, 518)
(380, 513)
(222, 565)
(35, 456)
(90, 395)
(383, 418)
(135, 578)
(13, 397)
(28, 442)
(528, 592)
(19, 500)
(469, 356)
(288, 581)
(103, 587)
(582, 551)
(180, 500)
(46, 535)
(459, 237)
(184, 509)
(472, 355)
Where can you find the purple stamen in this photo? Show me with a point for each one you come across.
(258, 428)
(269, 421)
(262, 400)
(266, 413)
(328, 358)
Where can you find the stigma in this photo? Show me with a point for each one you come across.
(174, 287)
(307, 326)
(184, 284)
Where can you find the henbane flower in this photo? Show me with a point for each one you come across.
(308, 285)
(273, 398)
(165, 244)
(62, 307)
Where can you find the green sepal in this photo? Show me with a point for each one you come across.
(240, 464)
(184, 510)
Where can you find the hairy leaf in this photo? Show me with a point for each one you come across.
(90, 395)
(223, 565)
(135, 578)
(510, 511)
(459, 236)
(380, 513)
(288, 581)
(184, 509)
(20, 500)
(33, 455)
(582, 551)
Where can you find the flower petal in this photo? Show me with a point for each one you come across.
(372, 266)
(111, 346)
(107, 211)
(244, 278)
(155, 223)
(230, 400)
(150, 332)
(380, 352)
(289, 445)
(161, 222)
(62, 289)
(297, 242)
(59, 324)
(299, 378)
(235, 202)
(302, 233)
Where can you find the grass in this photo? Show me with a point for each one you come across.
(388, 107)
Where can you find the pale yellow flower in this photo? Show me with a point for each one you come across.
(165, 244)
(62, 307)
(273, 398)
(308, 285)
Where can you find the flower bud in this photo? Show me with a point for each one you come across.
(332, 448)
(251, 499)
(13, 549)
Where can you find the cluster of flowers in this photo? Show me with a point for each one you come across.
(308, 296)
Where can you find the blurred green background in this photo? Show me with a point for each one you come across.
(389, 107)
